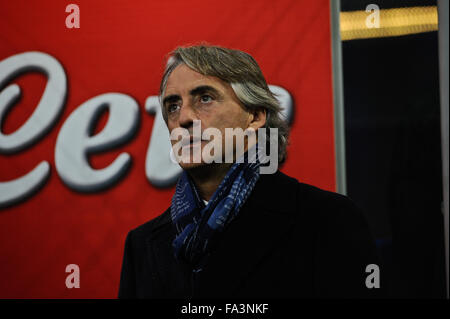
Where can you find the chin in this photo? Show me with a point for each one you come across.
(187, 162)
(189, 166)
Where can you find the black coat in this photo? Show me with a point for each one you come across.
(289, 240)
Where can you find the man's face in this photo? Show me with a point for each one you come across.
(191, 96)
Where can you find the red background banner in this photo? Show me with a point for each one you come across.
(121, 47)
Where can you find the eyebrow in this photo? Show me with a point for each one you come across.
(171, 98)
(204, 88)
(195, 91)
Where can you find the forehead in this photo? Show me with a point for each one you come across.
(183, 79)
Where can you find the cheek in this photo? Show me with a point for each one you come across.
(232, 117)
(224, 116)
(171, 125)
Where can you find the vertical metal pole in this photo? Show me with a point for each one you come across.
(443, 82)
(338, 98)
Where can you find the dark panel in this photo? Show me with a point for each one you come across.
(393, 150)
(354, 5)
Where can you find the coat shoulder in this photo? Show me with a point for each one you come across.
(151, 226)
(323, 198)
(317, 206)
(308, 195)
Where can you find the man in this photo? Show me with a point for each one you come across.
(231, 231)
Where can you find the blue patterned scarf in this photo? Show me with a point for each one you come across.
(197, 225)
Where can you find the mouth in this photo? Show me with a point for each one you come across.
(191, 142)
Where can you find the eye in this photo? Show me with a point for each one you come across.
(205, 98)
(173, 107)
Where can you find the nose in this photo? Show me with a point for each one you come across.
(187, 116)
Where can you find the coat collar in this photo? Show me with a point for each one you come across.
(255, 232)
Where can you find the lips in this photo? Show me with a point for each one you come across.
(190, 141)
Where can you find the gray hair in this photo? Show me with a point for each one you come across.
(241, 71)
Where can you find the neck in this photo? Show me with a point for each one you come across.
(208, 177)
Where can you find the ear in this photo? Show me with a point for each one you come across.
(257, 118)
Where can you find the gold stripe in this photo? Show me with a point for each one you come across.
(393, 22)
